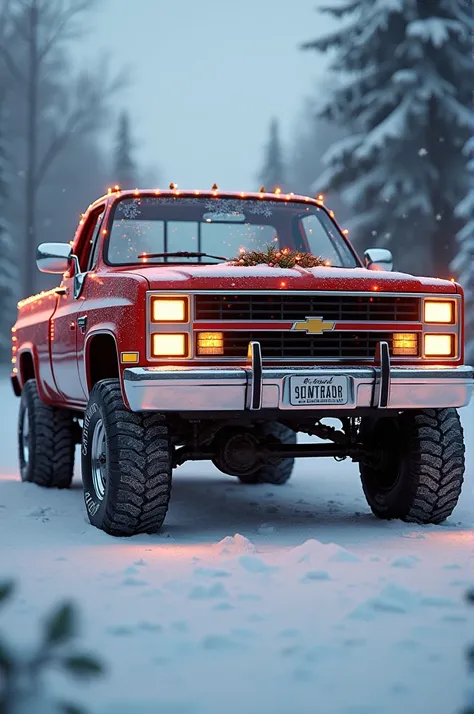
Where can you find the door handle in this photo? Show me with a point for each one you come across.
(82, 322)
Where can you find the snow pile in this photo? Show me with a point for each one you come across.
(311, 605)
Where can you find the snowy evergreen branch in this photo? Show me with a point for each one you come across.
(405, 94)
(273, 172)
(463, 264)
(22, 689)
(8, 267)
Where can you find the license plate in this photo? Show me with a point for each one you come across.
(319, 390)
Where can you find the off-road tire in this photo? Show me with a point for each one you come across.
(137, 465)
(420, 474)
(277, 471)
(51, 441)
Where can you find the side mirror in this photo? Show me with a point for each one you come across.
(53, 257)
(378, 259)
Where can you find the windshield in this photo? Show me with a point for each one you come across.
(219, 227)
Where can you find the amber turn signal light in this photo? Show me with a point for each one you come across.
(405, 344)
(210, 343)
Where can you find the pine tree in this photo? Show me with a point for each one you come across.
(406, 96)
(125, 170)
(273, 173)
(8, 269)
(463, 264)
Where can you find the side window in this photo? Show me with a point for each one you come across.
(95, 243)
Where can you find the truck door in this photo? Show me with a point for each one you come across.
(68, 319)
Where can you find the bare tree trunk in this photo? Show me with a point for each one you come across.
(29, 276)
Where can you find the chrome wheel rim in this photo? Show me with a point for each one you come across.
(99, 459)
(25, 436)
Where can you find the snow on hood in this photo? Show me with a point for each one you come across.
(225, 276)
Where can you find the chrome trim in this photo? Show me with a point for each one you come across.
(378, 259)
(253, 400)
(225, 389)
(53, 257)
(79, 277)
(381, 393)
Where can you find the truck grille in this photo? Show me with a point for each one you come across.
(283, 306)
(295, 345)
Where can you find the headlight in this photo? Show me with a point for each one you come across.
(210, 343)
(440, 312)
(439, 346)
(164, 309)
(169, 345)
(405, 343)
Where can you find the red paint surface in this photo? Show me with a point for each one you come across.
(114, 300)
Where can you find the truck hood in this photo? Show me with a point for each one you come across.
(263, 277)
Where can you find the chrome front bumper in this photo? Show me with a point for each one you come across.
(238, 389)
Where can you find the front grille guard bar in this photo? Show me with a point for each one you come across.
(381, 392)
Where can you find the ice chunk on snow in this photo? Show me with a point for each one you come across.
(314, 552)
(204, 592)
(344, 556)
(395, 598)
(255, 565)
(236, 545)
(212, 572)
(405, 561)
(130, 570)
(313, 575)
(130, 580)
(392, 598)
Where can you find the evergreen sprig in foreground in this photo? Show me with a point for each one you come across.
(21, 685)
(469, 709)
(275, 258)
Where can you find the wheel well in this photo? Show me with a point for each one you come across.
(27, 367)
(102, 362)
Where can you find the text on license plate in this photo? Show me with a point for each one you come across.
(319, 390)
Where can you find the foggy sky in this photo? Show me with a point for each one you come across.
(207, 76)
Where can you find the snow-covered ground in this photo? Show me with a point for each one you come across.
(313, 607)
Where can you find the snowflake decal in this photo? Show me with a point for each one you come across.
(165, 200)
(235, 206)
(130, 209)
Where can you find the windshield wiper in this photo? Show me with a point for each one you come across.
(181, 254)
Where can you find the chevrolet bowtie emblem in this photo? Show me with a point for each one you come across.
(314, 325)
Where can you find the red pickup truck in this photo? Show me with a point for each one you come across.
(210, 325)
